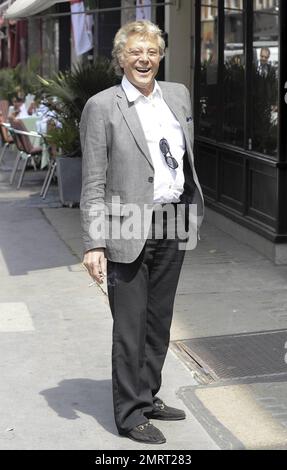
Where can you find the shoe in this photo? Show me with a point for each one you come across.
(165, 413)
(146, 434)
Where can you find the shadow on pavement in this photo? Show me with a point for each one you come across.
(28, 242)
(91, 397)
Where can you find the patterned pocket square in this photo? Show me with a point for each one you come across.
(188, 119)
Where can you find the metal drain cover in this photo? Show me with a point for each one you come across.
(238, 356)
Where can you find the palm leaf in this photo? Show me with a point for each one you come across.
(73, 89)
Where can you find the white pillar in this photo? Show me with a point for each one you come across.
(180, 52)
(128, 14)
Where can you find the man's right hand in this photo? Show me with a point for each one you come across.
(96, 264)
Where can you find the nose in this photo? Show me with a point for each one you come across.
(144, 57)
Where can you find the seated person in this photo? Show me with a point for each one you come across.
(20, 110)
(32, 108)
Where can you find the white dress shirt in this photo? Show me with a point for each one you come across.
(159, 122)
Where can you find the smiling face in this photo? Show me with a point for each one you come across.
(140, 61)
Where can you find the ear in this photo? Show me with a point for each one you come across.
(121, 61)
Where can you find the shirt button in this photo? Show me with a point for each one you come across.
(150, 180)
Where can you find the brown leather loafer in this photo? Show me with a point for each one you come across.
(146, 433)
(165, 413)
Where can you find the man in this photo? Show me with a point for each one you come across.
(137, 153)
(264, 66)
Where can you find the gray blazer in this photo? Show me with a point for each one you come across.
(118, 171)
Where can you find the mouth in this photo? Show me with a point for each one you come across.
(143, 71)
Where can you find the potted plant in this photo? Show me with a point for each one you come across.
(72, 89)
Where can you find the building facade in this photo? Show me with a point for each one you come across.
(233, 58)
(240, 113)
(231, 55)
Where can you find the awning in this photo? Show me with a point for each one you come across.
(26, 8)
(4, 6)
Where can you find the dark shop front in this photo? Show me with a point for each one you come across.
(240, 111)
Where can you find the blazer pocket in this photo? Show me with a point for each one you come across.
(120, 210)
(114, 209)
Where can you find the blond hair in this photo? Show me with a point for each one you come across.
(143, 28)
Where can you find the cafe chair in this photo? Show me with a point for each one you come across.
(6, 138)
(52, 166)
(49, 176)
(27, 151)
(4, 107)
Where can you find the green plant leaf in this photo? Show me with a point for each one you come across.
(72, 89)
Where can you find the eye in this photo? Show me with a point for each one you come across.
(135, 52)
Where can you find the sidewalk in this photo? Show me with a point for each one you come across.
(56, 338)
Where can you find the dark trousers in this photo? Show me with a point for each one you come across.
(141, 296)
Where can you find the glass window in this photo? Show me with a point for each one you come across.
(222, 110)
(265, 77)
(209, 68)
(233, 74)
(233, 4)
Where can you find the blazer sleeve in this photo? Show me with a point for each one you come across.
(94, 168)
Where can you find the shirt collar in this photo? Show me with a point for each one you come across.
(133, 93)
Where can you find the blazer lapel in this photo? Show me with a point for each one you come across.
(131, 117)
(176, 108)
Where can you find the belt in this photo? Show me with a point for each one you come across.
(161, 205)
